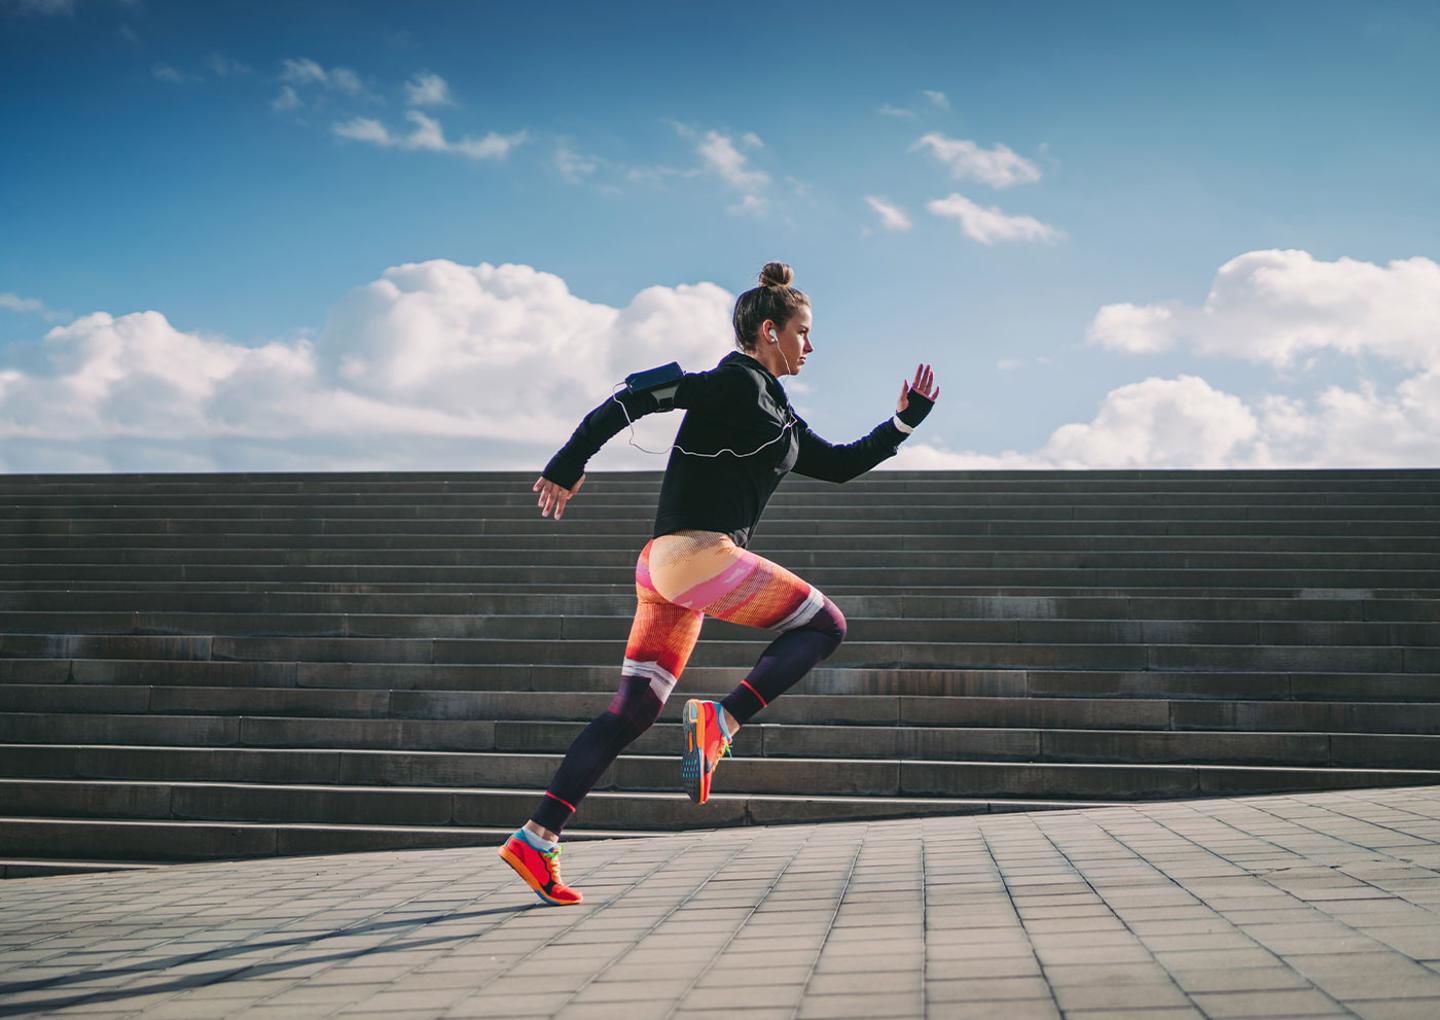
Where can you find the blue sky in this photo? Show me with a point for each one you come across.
(227, 191)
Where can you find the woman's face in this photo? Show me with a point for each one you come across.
(794, 340)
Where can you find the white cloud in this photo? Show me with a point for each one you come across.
(753, 205)
(305, 71)
(427, 134)
(896, 111)
(991, 224)
(1126, 327)
(892, 217)
(572, 165)
(364, 129)
(1010, 364)
(28, 306)
(1181, 422)
(998, 167)
(1157, 423)
(720, 155)
(48, 8)
(1186, 423)
(166, 73)
(224, 67)
(286, 99)
(1273, 306)
(433, 365)
(939, 99)
(427, 89)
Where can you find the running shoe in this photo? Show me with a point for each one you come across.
(705, 745)
(540, 870)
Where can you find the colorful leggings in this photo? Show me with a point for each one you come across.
(681, 578)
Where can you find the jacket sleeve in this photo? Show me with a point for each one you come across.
(830, 463)
(707, 392)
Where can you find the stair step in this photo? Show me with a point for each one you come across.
(878, 605)
(616, 628)
(154, 841)
(1238, 685)
(428, 775)
(795, 709)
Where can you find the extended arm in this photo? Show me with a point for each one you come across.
(840, 463)
(701, 390)
(830, 463)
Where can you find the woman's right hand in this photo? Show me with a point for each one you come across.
(552, 495)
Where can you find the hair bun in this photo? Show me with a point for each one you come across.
(776, 274)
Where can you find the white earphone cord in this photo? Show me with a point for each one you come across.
(661, 453)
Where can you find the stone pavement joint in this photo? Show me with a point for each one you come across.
(1312, 905)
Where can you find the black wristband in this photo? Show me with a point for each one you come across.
(916, 410)
(562, 472)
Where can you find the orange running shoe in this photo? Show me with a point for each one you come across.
(540, 870)
(705, 745)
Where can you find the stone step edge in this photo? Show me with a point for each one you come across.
(578, 832)
(623, 620)
(1062, 701)
(1433, 775)
(1059, 731)
(710, 642)
(944, 671)
(29, 867)
(613, 589)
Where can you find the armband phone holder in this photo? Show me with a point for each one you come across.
(662, 381)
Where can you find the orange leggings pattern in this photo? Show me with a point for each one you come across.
(682, 577)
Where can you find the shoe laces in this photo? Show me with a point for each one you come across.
(554, 858)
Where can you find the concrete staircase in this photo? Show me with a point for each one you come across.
(216, 666)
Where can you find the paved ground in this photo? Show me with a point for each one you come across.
(1305, 906)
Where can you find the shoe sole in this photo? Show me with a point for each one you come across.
(692, 766)
(524, 872)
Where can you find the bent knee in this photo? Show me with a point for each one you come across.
(830, 620)
(636, 704)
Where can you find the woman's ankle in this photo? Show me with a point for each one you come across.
(732, 725)
(541, 831)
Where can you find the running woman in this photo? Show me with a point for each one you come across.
(738, 439)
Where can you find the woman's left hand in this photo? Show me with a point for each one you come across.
(924, 380)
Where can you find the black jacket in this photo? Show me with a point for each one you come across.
(738, 405)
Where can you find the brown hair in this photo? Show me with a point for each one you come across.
(774, 299)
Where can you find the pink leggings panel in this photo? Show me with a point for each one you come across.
(682, 577)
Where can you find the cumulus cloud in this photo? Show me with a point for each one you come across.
(887, 110)
(434, 365)
(1268, 307)
(937, 98)
(1275, 306)
(426, 89)
(426, 133)
(1185, 422)
(998, 167)
(892, 217)
(989, 224)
